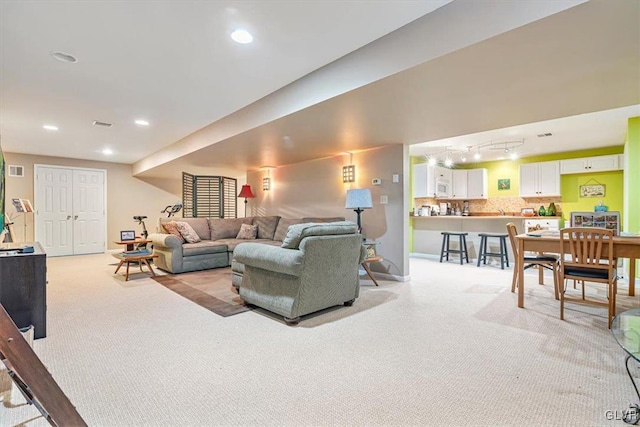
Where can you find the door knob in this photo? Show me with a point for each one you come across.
(68, 216)
(75, 217)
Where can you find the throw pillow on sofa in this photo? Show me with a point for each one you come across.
(171, 227)
(188, 232)
(247, 232)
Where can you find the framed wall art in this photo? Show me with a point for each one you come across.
(504, 184)
(592, 190)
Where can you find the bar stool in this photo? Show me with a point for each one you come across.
(482, 256)
(462, 247)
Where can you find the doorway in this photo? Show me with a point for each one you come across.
(70, 210)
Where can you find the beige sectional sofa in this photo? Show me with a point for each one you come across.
(218, 240)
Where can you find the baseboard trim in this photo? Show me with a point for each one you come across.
(386, 276)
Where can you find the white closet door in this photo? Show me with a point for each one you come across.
(54, 210)
(88, 212)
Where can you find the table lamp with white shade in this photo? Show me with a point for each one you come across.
(359, 199)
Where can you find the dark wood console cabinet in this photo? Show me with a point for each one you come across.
(23, 287)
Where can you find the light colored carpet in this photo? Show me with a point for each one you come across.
(448, 348)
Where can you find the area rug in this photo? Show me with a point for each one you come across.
(210, 289)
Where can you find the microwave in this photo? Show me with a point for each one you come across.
(443, 188)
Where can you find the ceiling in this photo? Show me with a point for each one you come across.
(590, 130)
(454, 76)
(171, 63)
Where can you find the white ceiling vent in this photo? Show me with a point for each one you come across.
(103, 124)
(17, 171)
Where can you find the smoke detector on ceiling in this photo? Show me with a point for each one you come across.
(103, 124)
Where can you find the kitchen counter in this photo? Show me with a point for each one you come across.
(473, 217)
(427, 238)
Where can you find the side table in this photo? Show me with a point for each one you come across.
(365, 265)
(131, 243)
(139, 259)
(626, 331)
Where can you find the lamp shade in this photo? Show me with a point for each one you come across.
(246, 192)
(359, 199)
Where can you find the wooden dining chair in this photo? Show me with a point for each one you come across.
(588, 256)
(539, 260)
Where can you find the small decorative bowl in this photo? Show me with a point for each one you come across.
(528, 212)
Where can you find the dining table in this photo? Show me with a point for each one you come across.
(549, 242)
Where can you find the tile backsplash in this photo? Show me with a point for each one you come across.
(510, 205)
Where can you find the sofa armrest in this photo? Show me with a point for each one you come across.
(272, 258)
(165, 240)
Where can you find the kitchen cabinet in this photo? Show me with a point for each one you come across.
(477, 184)
(459, 183)
(469, 184)
(540, 179)
(420, 180)
(533, 225)
(591, 164)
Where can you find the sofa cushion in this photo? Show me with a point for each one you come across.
(266, 226)
(188, 232)
(247, 232)
(283, 227)
(330, 219)
(226, 228)
(232, 243)
(202, 248)
(199, 225)
(171, 227)
(297, 232)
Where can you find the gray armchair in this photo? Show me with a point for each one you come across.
(316, 268)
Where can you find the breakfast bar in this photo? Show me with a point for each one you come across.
(427, 238)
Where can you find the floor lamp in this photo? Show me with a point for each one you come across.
(247, 194)
(358, 200)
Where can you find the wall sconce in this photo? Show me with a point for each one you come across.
(266, 181)
(349, 173)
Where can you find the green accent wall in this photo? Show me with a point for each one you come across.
(571, 200)
(632, 151)
(632, 148)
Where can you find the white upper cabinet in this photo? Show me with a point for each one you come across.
(591, 164)
(477, 184)
(459, 184)
(424, 180)
(420, 180)
(540, 179)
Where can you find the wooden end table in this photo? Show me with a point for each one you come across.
(139, 259)
(131, 243)
(365, 265)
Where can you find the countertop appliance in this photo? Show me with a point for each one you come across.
(445, 208)
(465, 208)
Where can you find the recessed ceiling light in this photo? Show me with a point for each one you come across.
(50, 127)
(242, 36)
(477, 156)
(513, 156)
(107, 152)
(64, 57)
(142, 122)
